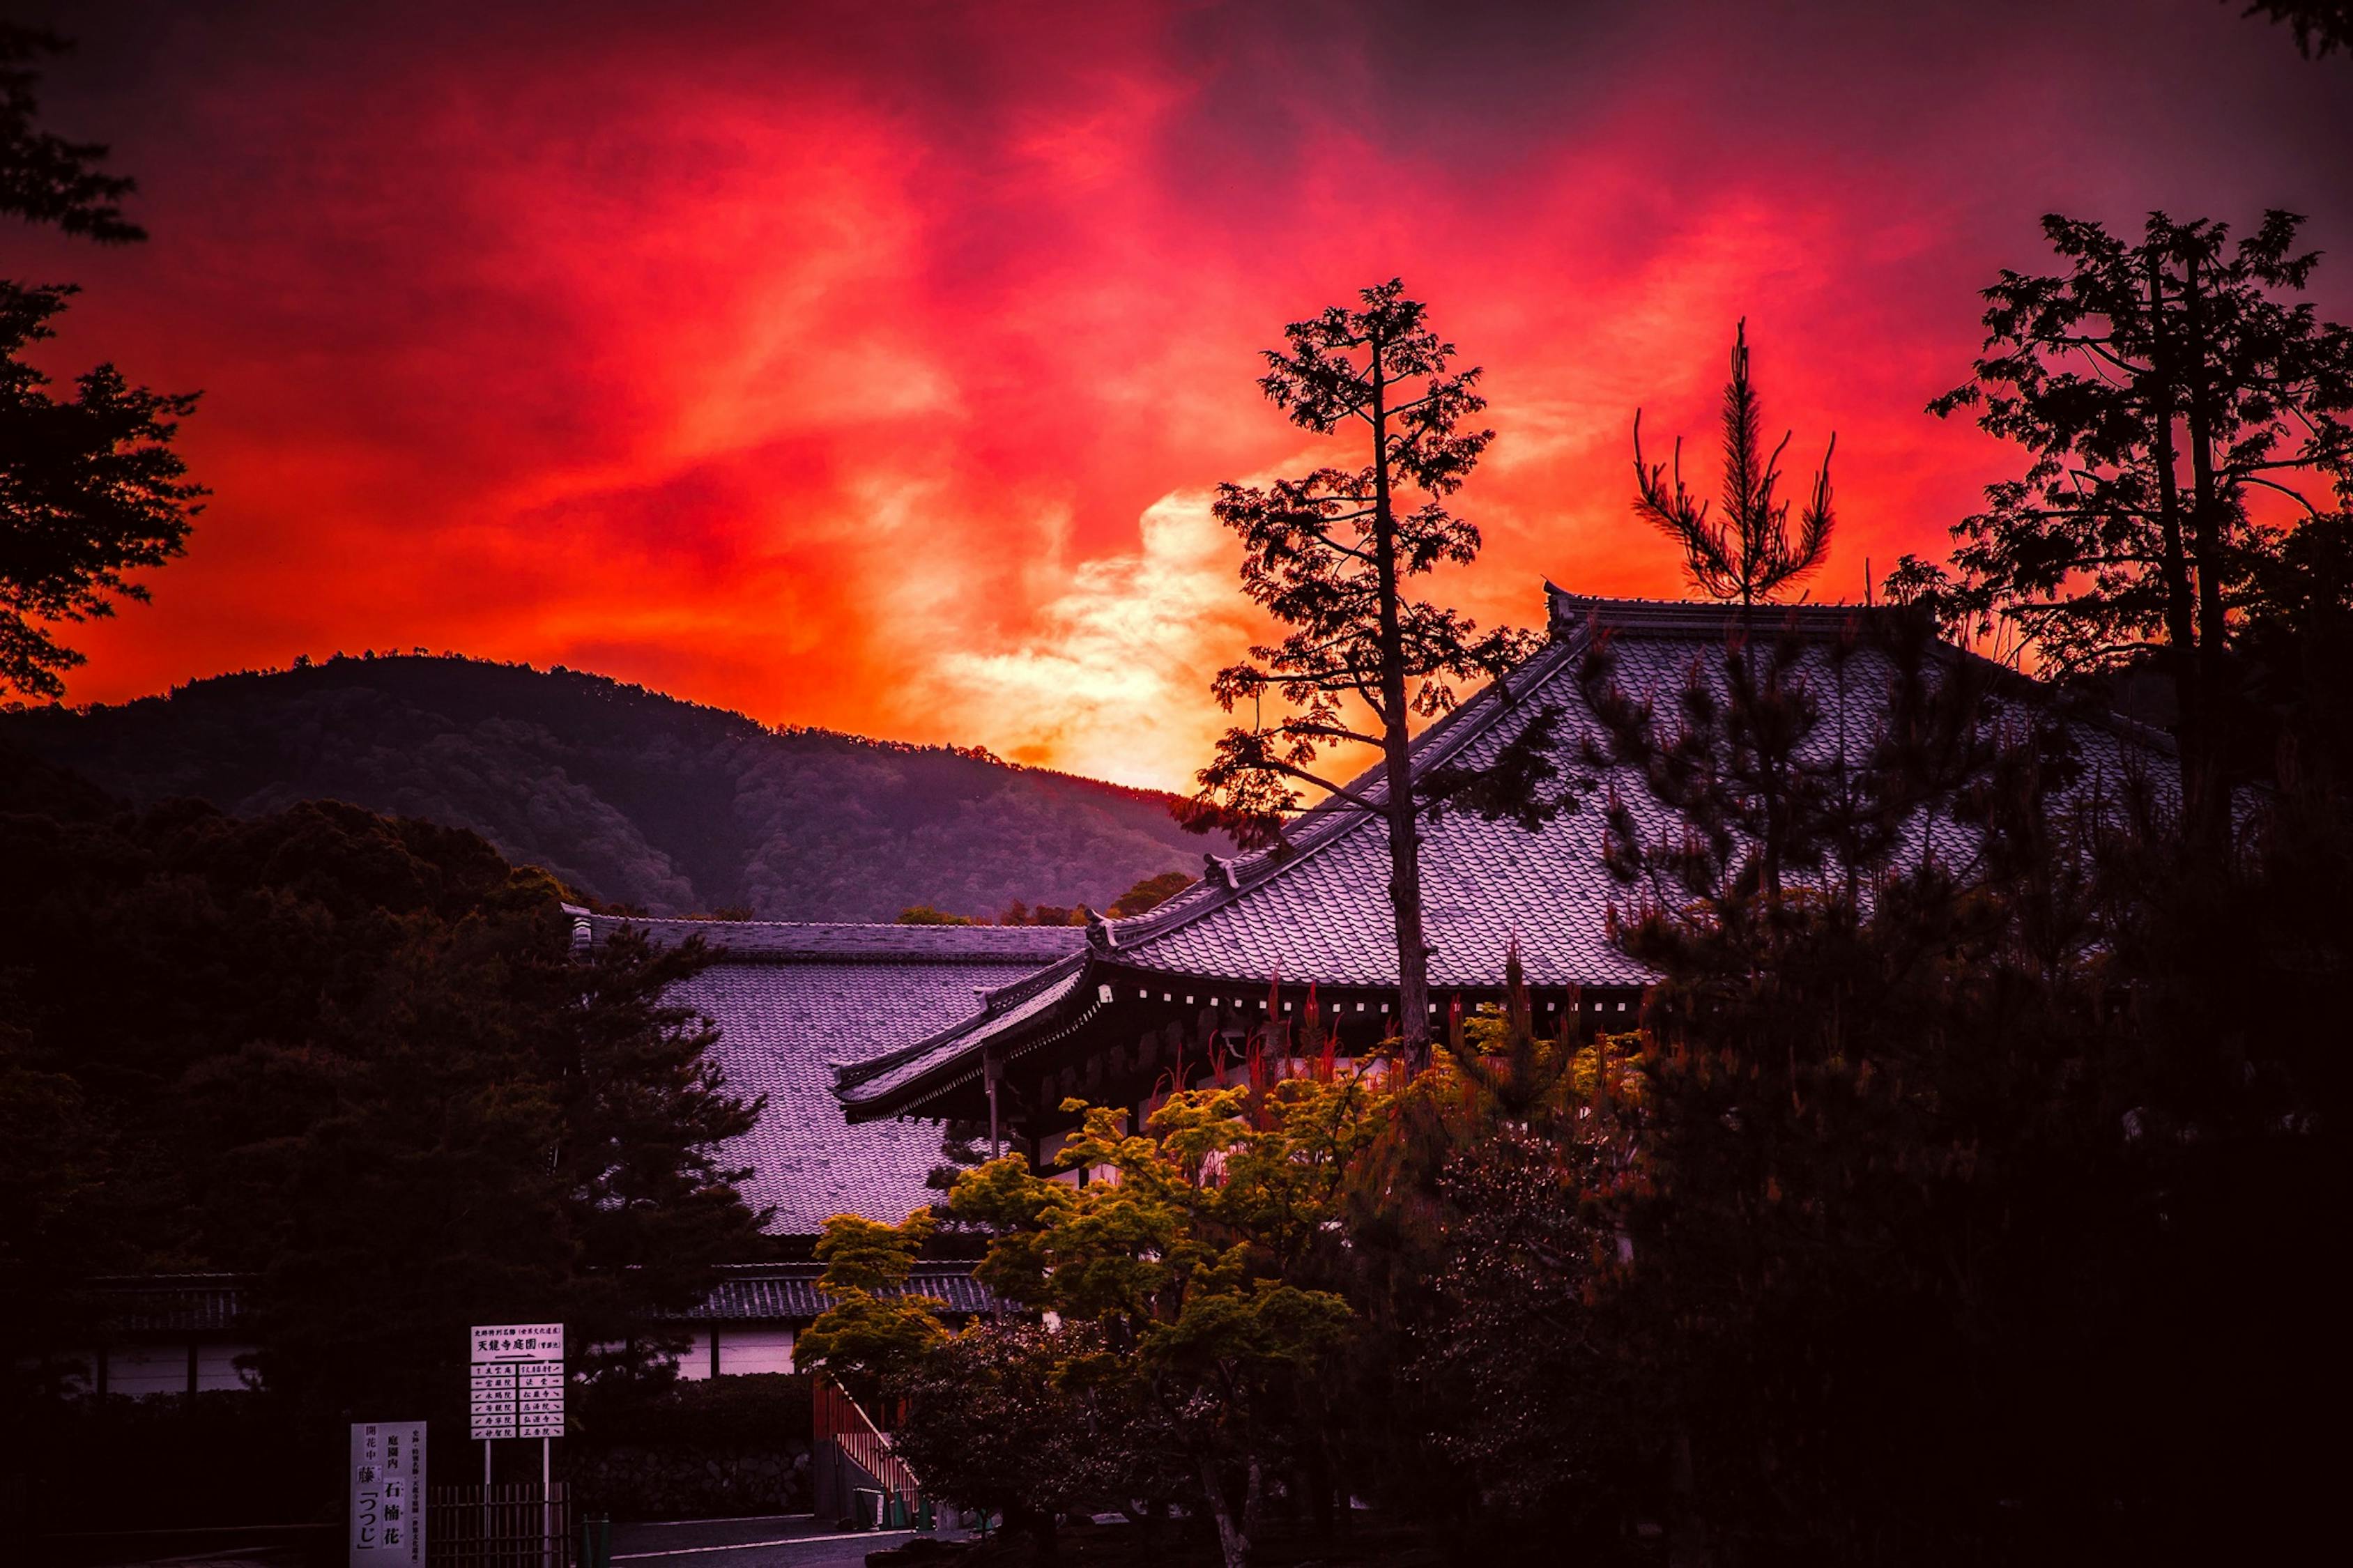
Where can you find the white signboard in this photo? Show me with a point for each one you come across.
(517, 1381)
(387, 1479)
(496, 1342)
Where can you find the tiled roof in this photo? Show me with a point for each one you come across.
(167, 1303)
(1318, 910)
(758, 1293)
(1003, 1011)
(793, 1001)
(766, 1293)
(786, 942)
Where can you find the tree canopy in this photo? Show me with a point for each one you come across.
(90, 488)
(357, 1058)
(2161, 391)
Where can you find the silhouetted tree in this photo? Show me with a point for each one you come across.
(2158, 388)
(2321, 26)
(359, 1058)
(90, 489)
(43, 177)
(1746, 552)
(1328, 555)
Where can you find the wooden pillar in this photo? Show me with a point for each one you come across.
(992, 1071)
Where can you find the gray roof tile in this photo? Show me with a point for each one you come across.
(1319, 911)
(795, 1001)
(156, 1304)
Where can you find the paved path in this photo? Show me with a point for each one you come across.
(783, 1541)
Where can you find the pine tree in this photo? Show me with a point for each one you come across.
(1746, 552)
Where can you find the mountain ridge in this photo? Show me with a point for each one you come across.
(639, 797)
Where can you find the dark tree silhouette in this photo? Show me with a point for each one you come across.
(43, 177)
(2158, 388)
(89, 489)
(2321, 26)
(1328, 555)
(357, 1057)
(1746, 551)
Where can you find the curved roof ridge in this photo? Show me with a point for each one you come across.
(1687, 616)
(995, 1004)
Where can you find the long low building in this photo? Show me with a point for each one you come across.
(161, 1334)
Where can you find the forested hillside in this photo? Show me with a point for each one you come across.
(629, 794)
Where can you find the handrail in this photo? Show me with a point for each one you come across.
(861, 1442)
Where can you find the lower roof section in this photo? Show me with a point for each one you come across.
(152, 1305)
(792, 1002)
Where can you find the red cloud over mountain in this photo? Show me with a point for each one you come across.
(867, 366)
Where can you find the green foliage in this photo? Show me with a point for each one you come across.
(925, 915)
(1004, 1417)
(1746, 552)
(633, 796)
(1151, 893)
(1195, 1260)
(876, 1332)
(1018, 913)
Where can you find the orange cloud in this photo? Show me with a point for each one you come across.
(867, 366)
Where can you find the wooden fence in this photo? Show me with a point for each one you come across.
(511, 1526)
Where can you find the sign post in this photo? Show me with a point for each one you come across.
(387, 1490)
(516, 1390)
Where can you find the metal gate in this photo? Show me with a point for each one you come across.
(514, 1526)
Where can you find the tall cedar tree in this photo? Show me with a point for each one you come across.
(1746, 552)
(2160, 390)
(90, 489)
(1329, 555)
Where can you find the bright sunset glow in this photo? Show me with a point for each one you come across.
(870, 366)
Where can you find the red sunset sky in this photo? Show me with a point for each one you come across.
(867, 365)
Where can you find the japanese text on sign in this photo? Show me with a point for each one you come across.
(516, 1386)
(517, 1342)
(387, 1490)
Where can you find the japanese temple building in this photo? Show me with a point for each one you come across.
(869, 1042)
(1148, 1000)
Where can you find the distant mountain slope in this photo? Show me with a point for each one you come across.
(632, 795)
